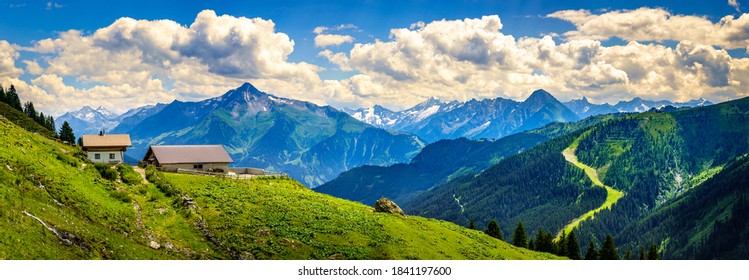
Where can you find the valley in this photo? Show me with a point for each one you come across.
(612, 195)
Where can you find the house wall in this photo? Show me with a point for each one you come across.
(104, 156)
(172, 167)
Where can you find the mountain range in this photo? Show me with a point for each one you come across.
(583, 108)
(312, 144)
(91, 121)
(433, 120)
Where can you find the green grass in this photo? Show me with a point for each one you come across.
(19, 118)
(281, 219)
(612, 195)
(268, 218)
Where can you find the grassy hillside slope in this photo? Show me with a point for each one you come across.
(54, 205)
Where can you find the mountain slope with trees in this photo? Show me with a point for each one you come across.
(438, 163)
(654, 157)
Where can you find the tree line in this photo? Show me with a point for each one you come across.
(567, 245)
(10, 97)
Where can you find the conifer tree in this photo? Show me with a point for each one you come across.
(518, 237)
(653, 252)
(12, 98)
(561, 245)
(471, 225)
(493, 230)
(642, 254)
(80, 142)
(628, 254)
(3, 98)
(573, 246)
(591, 253)
(544, 242)
(608, 249)
(28, 109)
(66, 133)
(50, 123)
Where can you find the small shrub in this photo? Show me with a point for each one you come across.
(121, 196)
(128, 175)
(106, 171)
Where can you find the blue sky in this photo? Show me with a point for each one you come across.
(374, 65)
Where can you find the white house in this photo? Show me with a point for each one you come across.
(107, 148)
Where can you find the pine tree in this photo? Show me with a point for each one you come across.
(80, 142)
(642, 254)
(50, 123)
(628, 254)
(519, 238)
(544, 242)
(608, 249)
(12, 98)
(591, 253)
(3, 98)
(561, 245)
(28, 109)
(573, 246)
(66, 133)
(531, 244)
(471, 225)
(653, 252)
(492, 229)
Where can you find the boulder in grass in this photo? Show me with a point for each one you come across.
(387, 206)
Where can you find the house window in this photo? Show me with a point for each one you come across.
(197, 166)
(111, 156)
(97, 156)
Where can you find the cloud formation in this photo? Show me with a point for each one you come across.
(162, 60)
(656, 24)
(734, 4)
(136, 62)
(8, 56)
(324, 40)
(472, 58)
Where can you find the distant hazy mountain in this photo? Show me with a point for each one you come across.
(583, 108)
(133, 117)
(434, 120)
(91, 121)
(313, 144)
(88, 120)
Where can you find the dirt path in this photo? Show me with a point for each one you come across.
(612, 195)
(142, 173)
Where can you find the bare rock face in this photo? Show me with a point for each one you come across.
(387, 206)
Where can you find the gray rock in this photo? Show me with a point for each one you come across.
(387, 206)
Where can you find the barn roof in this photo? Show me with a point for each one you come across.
(189, 154)
(106, 140)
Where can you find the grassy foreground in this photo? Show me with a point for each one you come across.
(56, 205)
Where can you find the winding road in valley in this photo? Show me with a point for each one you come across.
(612, 195)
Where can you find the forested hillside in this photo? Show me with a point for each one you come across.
(439, 163)
(654, 158)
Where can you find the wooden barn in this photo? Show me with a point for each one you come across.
(204, 158)
(107, 148)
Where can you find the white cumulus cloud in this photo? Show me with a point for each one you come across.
(324, 40)
(656, 24)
